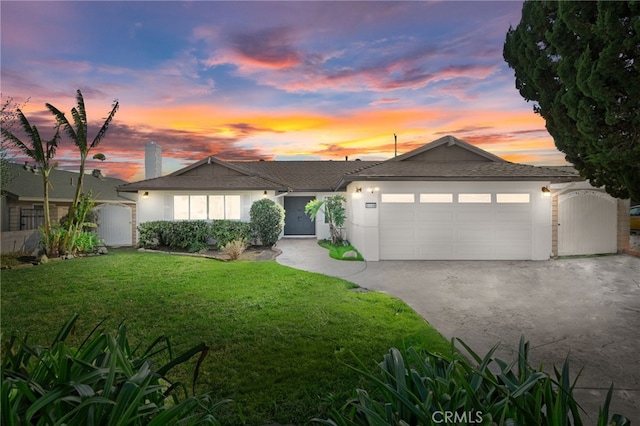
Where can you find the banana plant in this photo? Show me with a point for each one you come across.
(42, 153)
(77, 131)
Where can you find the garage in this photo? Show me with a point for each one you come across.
(456, 225)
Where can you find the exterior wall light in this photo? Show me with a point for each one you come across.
(264, 194)
(546, 192)
(146, 194)
(358, 190)
(373, 190)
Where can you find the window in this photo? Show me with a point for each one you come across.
(232, 207)
(198, 207)
(436, 198)
(180, 207)
(216, 207)
(398, 198)
(194, 207)
(474, 198)
(512, 198)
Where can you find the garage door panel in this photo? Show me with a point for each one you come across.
(472, 231)
(438, 216)
(509, 251)
(474, 251)
(509, 232)
(398, 235)
(398, 215)
(440, 234)
(465, 215)
(398, 252)
(435, 251)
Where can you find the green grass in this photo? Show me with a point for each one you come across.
(337, 251)
(280, 338)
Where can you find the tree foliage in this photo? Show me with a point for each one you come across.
(8, 117)
(334, 212)
(580, 63)
(78, 132)
(42, 152)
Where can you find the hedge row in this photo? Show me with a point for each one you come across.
(192, 235)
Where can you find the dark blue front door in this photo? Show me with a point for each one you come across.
(296, 222)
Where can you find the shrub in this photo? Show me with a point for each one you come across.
(86, 242)
(267, 219)
(190, 235)
(225, 231)
(101, 382)
(421, 387)
(234, 249)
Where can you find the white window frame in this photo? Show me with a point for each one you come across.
(397, 198)
(436, 198)
(474, 198)
(201, 207)
(513, 198)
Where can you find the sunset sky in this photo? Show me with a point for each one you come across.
(271, 80)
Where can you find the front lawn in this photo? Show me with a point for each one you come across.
(280, 338)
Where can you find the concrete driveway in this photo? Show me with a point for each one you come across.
(584, 308)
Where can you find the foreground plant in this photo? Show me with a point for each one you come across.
(423, 388)
(103, 382)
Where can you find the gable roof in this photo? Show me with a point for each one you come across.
(447, 158)
(254, 175)
(27, 186)
(451, 147)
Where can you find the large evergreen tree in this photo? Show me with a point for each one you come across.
(580, 63)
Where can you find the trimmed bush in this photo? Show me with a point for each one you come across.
(190, 235)
(267, 219)
(225, 231)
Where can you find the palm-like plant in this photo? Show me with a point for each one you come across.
(334, 212)
(78, 133)
(42, 152)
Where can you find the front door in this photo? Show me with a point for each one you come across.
(296, 222)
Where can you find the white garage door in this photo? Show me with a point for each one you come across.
(587, 223)
(469, 226)
(114, 224)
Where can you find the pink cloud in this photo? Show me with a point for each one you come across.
(270, 48)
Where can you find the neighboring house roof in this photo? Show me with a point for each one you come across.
(447, 158)
(26, 185)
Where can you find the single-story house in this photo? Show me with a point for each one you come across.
(445, 200)
(23, 206)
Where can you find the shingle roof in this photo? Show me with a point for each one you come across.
(178, 183)
(463, 170)
(305, 175)
(26, 185)
(334, 175)
(258, 175)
